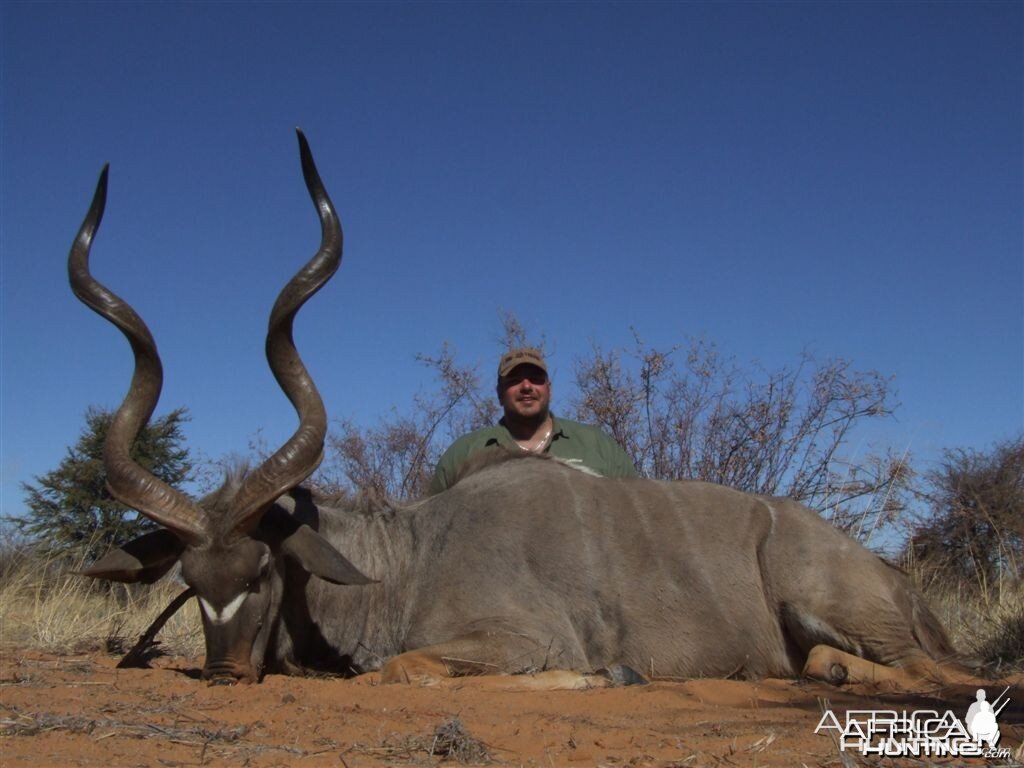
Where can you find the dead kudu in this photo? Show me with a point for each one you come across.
(525, 565)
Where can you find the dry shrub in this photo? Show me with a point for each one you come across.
(692, 413)
(44, 604)
(449, 741)
(967, 549)
(396, 458)
(972, 528)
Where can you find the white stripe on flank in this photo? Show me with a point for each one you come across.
(223, 617)
(773, 515)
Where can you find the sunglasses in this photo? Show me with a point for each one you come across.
(537, 379)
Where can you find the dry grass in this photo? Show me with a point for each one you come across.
(45, 605)
(984, 624)
(984, 619)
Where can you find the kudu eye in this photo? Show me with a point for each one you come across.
(253, 579)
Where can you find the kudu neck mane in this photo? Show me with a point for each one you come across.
(218, 504)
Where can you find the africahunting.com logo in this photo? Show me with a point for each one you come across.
(920, 733)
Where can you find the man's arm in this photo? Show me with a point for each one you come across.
(451, 461)
(619, 462)
(594, 448)
(444, 473)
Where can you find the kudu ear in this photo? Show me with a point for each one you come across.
(144, 559)
(317, 556)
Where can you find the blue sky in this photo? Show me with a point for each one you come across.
(839, 177)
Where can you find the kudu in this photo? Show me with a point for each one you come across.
(523, 565)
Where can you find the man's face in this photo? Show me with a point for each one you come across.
(525, 392)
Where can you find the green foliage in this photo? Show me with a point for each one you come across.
(70, 510)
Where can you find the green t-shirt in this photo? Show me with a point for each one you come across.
(572, 442)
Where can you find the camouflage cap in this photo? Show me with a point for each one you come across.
(521, 356)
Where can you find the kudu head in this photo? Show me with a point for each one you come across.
(232, 545)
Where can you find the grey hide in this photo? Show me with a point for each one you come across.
(528, 564)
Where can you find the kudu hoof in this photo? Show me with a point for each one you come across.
(620, 674)
(837, 674)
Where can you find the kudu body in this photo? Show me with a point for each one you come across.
(523, 565)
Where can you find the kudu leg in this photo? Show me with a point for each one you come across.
(839, 668)
(492, 659)
(136, 657)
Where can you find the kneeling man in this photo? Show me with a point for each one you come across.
(524, 391)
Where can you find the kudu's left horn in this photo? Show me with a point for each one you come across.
(302, 453)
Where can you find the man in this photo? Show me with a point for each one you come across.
(524, 391)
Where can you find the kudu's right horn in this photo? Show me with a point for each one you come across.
(130, 483)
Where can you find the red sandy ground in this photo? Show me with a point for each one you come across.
(81, 710)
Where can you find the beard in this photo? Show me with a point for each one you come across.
(526, 412)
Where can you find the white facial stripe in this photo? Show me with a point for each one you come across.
(223, 617)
